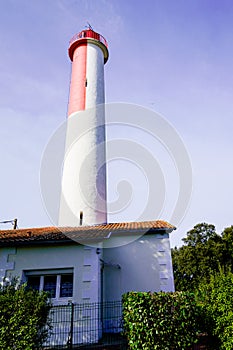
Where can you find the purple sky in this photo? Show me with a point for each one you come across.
(174, 57)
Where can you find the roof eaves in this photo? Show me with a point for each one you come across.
(143, 231)
(26, 242)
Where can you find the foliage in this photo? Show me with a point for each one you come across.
(203, 253)
(161, 320)
(217, 300)
(227, 239)
(23, 317)
(200, 234)
(204, 265)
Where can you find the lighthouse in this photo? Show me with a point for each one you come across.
(83, 189)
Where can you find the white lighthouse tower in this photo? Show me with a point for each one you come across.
(83, 192)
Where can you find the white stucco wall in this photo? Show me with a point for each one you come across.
(144, 265)
(83, 260)
(95, 76)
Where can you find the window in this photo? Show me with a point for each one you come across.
(50, 285)
(58, 283)
(66, 286)
(34, 282)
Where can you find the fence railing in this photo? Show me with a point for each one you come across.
(87, 325)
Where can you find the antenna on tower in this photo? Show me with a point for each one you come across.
(89, 26)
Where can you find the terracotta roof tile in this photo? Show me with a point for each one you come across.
(81, 233)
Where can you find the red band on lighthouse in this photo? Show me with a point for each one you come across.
(77, 100)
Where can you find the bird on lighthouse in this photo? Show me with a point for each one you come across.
(83, 189)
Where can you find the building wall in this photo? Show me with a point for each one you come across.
(84, 261)
(142, 265)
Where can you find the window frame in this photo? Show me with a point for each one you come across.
(52, 272)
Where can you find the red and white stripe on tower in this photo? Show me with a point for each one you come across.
(88, 52)
(83, 197)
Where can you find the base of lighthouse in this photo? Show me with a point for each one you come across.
(83, 192)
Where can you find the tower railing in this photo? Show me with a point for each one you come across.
(85, 34)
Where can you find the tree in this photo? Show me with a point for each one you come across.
(227, 238)
(204, 264)
(200, 234)
(201, 254)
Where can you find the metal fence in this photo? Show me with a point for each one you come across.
(93, 326)
(86, 326)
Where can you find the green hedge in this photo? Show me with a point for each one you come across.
(161, 321)
(216, 298)
(23, 317)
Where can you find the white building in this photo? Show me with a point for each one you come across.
(58, 262)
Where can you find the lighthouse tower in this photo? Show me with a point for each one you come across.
(83, 191)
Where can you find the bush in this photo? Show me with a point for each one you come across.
(23, 318)
(217, 300)
(161, 321)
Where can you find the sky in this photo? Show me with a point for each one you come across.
(171, 57)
